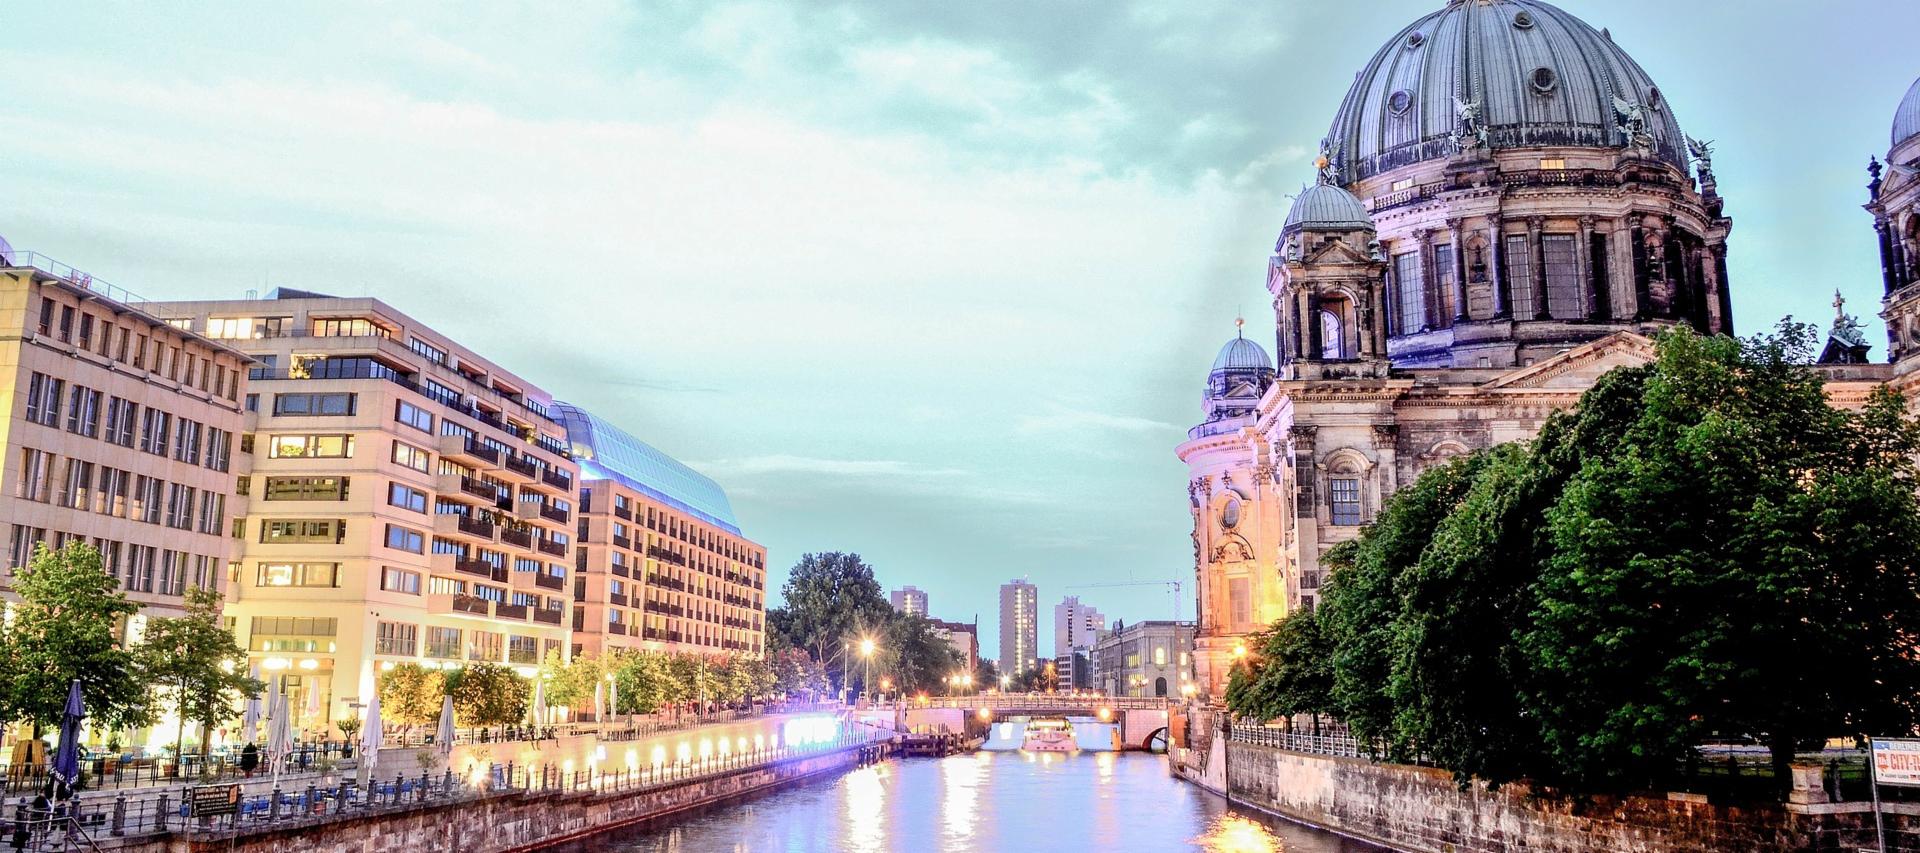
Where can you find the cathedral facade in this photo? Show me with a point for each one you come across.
(1505, 208)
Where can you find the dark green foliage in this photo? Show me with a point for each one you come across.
(1295, 675)
(63, 628)
(1704, 545)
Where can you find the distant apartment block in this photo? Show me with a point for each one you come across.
(1019, 628)
(910, 600)
(1075, 626)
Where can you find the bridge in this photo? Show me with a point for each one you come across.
(1141, 721)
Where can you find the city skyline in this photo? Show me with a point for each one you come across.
(855, 224)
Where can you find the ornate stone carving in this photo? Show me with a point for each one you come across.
(1385, 435)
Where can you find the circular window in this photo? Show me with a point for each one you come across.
(1230, 513)
(1399, 102)
(1415, 40)
(1523, 20)
(1544, 80)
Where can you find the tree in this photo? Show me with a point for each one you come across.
(797, 674)
(1744, 562)
(410, 695)
(916, 658)
(62, 629)
(831, 599)
(488, 694)
(1297, 675)
(987, 674)
(194, 662)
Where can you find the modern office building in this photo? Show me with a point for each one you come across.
(121, 432)
(662, 564)
(1075, 626)
(1019, 628)
(1075, 669)
(965, 639)
(910, 600)
(1152, 658)
(409, 501)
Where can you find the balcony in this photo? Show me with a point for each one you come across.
(665, 555)
(553, 513)
(621, 571)
(617, 598)
(617, 628)
(521, 536)
(480, 568)
(550, 617)
(516, 612)
(548, 546)
(621, 541)
(557, 478)
(547, 581)
(623, 513)
(468, 450)
(469, 486)
(521, 465)
(470, 605)
(461, 524)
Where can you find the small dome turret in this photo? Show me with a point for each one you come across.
(1906, 119)
(1242, 354)
(1327, 207)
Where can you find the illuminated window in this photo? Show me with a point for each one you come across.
(298, 574)
(314, 405)
(1402, 184)
(411, 457)
(348, 328)
(396, 638)
(310, 447)
(1554, 163)
(303, 531)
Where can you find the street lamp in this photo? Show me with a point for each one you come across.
(866, 651)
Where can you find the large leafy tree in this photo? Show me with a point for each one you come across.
(194, 662)
(915, 657)
(410, 695)
(1744, 562)
(62, 629)
(1296, 675)
(831, 600)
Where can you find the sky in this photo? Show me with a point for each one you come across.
(936, 283)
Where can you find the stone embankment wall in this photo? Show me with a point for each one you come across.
(508, 823)
(1422, 809)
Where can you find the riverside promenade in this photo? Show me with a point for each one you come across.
(481, 796)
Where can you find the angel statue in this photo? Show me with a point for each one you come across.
(1631, 119)
(1702, 152)
(1328, 163)
(1468, 133)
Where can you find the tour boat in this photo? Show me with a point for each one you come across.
(1049, 734)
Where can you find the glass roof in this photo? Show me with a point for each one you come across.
(607, 452)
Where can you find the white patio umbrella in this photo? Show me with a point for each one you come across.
(599, 702)
(371, 736)
(539, 708)
(279, 733)
(250, 721)
(313, 707)
(613, 697)
(443, 737)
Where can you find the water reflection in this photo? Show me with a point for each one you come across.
(985, 801)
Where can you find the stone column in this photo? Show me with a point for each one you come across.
(1299, 324)
(1537, 267)
(1385, 440)
(1459, 262)
(1642, 285)
(1583, 263)
(1497, 250)
(1885, 234)
(1719, 251)
(1316, 348)
(1377, 310)
(1710, 288)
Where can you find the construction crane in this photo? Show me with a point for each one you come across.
(1173, 589)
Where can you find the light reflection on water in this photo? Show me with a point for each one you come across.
(984, 801)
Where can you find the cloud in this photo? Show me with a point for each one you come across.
(782, 465)
(1072, 420)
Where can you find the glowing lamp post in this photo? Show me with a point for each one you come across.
(866, 651)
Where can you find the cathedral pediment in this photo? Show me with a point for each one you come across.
(1336, 252)
(1245, 391)
(1578, 368)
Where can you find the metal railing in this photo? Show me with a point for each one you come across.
(1338, 745)
(1041, 702)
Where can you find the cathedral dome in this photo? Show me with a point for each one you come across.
(1535, 75)
(1242, 354)
(1327, 206)
(1906, 120)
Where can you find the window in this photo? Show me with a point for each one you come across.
(523, 649)
(413, 416)
(43, 399)
(400, 580)
(429, 351)
(186, 443)
(443, 642)
(219, 449)
(396, 638)
(406, 497)
(310, 447)
(46, 319)
(35, 473)
(1403, 183)
(180, 506)
(1563, 276)
(1239, 601)
(1410, 293)
(440, 392)
(1443, 269)
(411, 457)
(405, 539)
(306, 489)
(153, 431)
(1345, 492)
(121, 421)
(86, 331)
(231, 328)
(286, 531)
(522, 564)
(298, 574)
(1553, 163)
(446, 586)
(315, 405)
(293, 633)
(113, 491)
(146, 499)
(83, 412)
(213, 511)
(1159, 655)
(485, 645)
(77, 491)
(348, 328)
(1520, 277)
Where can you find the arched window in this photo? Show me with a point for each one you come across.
(1160, 686)
(1333, 342)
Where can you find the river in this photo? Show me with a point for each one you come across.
(986, 801)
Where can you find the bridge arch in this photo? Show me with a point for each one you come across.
(1156, 740)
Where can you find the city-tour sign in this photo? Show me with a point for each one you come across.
(1896, 761)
